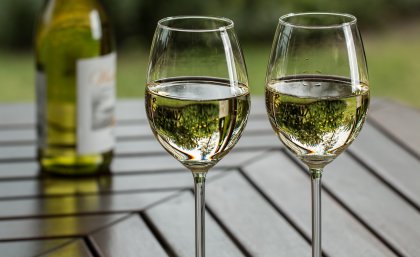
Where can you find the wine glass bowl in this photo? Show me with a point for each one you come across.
(317, 92)
(316, 117)
(197, 98)
(197, 120)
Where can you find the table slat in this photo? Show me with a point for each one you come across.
(129, 238)
(142, 182)
(11, 136)
(17, 152)
(391, 162)
(17, 115)
(54, 227)
(256, 224)
(130, 110)
(18, 170)
(123, 131)
(167, 162)
(78, 205)
(146, 146)
(376, 204)
(75, 249)
(174, 219)
(150, 145)
(401, 122)
(289, 188)
(30, 248)
(371, 196)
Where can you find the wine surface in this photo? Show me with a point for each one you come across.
(197, 120)
(316, 117)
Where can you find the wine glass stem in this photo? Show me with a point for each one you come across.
(316, 212)
(199, 190)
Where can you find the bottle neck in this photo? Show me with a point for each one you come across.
(63, 9)
(67, 5)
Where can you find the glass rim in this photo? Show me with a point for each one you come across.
(228, 23)
(352, 20)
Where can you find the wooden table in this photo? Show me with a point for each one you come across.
(258, 197)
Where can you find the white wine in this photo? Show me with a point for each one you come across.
(75, 67)
(316, 117)
(197, 120)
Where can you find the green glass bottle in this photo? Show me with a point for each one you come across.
(75, 85)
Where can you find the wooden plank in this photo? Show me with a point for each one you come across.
(143, 130)
(377, 103)
(127, 164)
(258, 117)
(17, 152)
(259, 124)
(373, 202)
(38, 228)
(277, 176)
(257, 106)
(147, 146)
(123, 131)
(141, 147)
(59, 186)
(401, 122)
(30, 248)
(168, 180)
(129, 238)
(18, 170)
(167, 162)
(145, 164)
(126, 110)
(28, 134)
(255, 223)
(171, 180)
(131, 130)
(391, 162)
(130, 110)
(25, 152)
(17, 114)
(237, 158)
(80, 205)
(262, 141)
(74, 249)
(174, 219)
(17, 135)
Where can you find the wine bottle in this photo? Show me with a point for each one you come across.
(75, 87)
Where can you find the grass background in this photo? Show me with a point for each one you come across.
(393, 58)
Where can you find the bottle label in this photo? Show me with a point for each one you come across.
(41, 97)
(96, 104)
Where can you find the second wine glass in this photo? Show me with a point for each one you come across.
(197, 97)
(317, 92)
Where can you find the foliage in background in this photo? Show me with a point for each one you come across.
(17, 22)
(393, 61)
(135, 20)
(393, 55)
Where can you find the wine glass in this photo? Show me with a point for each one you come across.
(317, 92)
(197, 97)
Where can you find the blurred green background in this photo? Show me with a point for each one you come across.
(391, 31)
